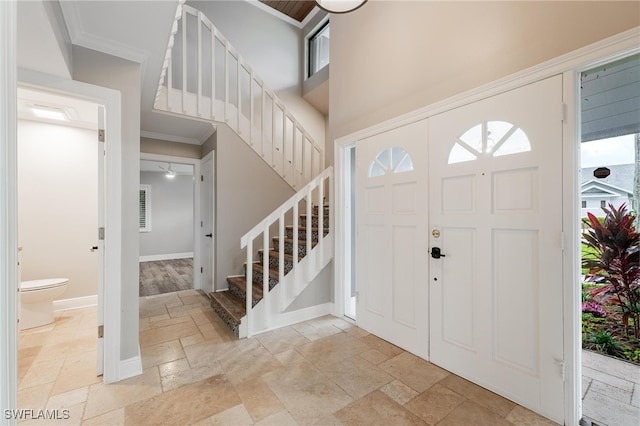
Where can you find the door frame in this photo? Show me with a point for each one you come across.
(196, 204)
(111, 100)
(211, 156)
(569, 65)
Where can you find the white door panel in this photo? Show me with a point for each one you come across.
(495, 197)
(391, 241)
(207, 237)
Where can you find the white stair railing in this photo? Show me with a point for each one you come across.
(204, 77)
(303, 272)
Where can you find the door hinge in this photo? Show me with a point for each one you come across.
(201, 178)
(100, 331)
(100, 135)
(201, 270)
(101, 233)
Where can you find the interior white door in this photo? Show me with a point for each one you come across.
(100, 231)
(391, 240)
(207, 237)
(496, 214)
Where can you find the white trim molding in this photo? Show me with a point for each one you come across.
(170, 138)
(569, 65)
(168, 256)
(8, 213)
(130, 367)
(111, 100)
(289, 318)
(75, 303)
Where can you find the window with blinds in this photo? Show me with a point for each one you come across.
(145, 208)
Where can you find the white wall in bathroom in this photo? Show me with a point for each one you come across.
(58, 204)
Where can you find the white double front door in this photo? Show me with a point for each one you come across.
(489, 197)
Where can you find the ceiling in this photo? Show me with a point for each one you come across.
(297, 10)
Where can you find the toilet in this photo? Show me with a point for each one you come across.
(36, 301)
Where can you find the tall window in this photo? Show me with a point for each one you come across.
(318, 48)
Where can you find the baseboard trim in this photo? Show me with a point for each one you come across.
(169, 256)
(300, 315)
(75, 303)
(130, 367)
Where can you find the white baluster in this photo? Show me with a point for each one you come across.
(226, 81)
(273, 131)
(213, 73)
(308, 227)
(238, 84)
(199, 97)
(281, 234)
(262, 114)
(251, 108)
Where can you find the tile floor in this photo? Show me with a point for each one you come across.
(325, 372)
(610, 390)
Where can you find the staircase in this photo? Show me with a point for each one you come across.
(230, 305)
(204, 78)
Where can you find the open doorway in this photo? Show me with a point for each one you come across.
(610, 140)
(169, 255)
(61, 256)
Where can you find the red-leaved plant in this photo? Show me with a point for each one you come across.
(616, 246)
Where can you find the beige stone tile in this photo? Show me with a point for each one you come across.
(249, 365)
(399, 392)
(330, 420)
(289, 357)
(331, 349)
(173, 367)
(259, 401)
(434, 404)
(520, 416)
(65, 416)
(191, 375)
(185, 310)
(152, 310)
(357, 332)
(35, 397)
(382, 346)
(283, 418)
(236, 416)
(414, 372)
(470, 413)
(194, 300)
(200, 318)
(24, 364)
(104, 398)
(41, 372)
(161, 354)
(155, 336)
(77, 371)
(374, 356)
(112, 418)
(191, 340)
(143, 324)
(282, 340)
(479, 395)
(68, 399)
(170, 321)
(313, 333)
(185, 405)
(157, 318)
(210, 333)
(248, 344)
(45, 338)
(207, 352)
(377, 409)
(357, 376)
(306, 392)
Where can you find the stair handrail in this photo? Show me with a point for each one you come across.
(297, 167)
(262, 228)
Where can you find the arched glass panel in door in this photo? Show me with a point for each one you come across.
(391, 160)
(490, 139)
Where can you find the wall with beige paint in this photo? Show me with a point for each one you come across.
(389, 58)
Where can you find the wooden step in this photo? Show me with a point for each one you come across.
(288, 246)
(302, 232)
(229, 308)
(274, 260)
(314, 220)
(238, 287)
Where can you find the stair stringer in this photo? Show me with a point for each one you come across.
(288, 290)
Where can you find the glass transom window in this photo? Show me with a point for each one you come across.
(491, 139)
(393, 159)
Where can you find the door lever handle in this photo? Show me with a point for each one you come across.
(93, 248)
(436, 253)
(209, 235)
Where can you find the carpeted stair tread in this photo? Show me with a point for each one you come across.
(233, 307)
(241, 284)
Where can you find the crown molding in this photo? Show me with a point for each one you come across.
(79, 37)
